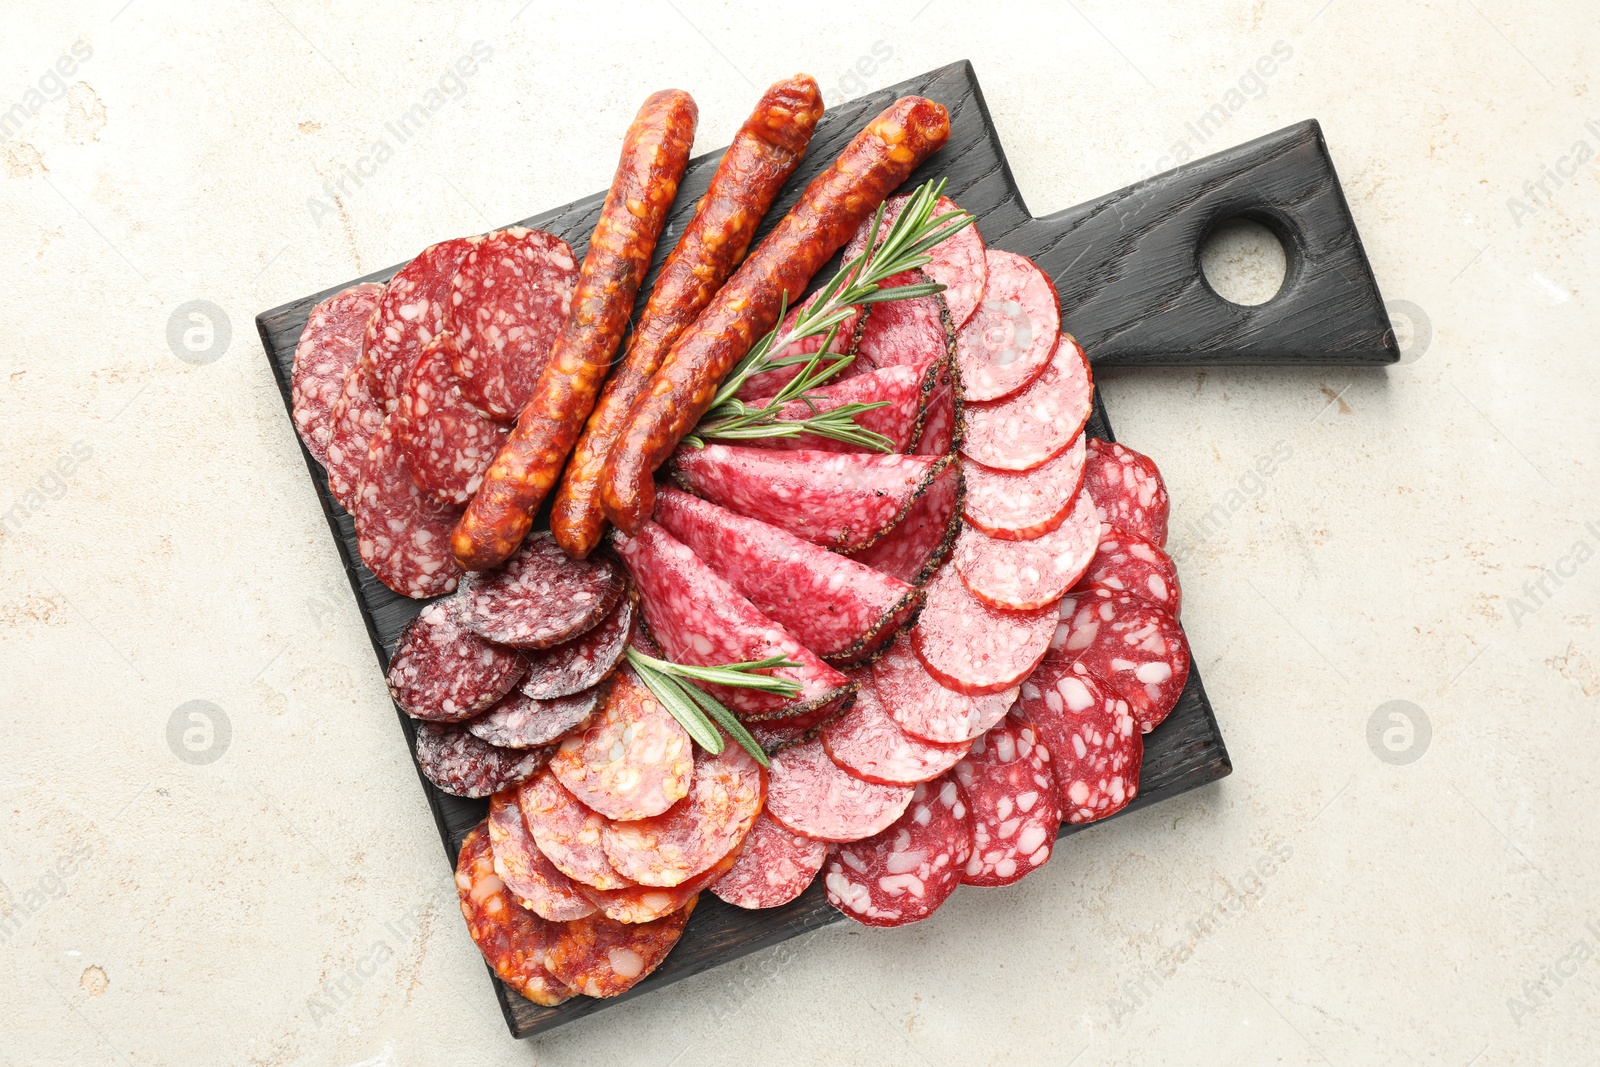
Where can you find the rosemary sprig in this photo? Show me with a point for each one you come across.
(700, 713)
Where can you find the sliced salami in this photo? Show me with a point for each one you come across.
(540, 597)
(601, 957)
(1128, 490)
(906, 872)
(511, 938)
(633, 761)
(583, 662)
(912, 333)
(1134, 647)
(923, 708)
(836, 607)
(1127, 563)
(943, 420)
(1007, 781)
(774, 867)
(527, 872)
(355, 417)
(464, 766)
(329, 347)
(402, 534)
(519, 721)
(1007, 343)
(810, 794)
(647, 903)
(670, 849)
(900, 389)
(1024, 575)
(447, 443)
(1095, 746)
(915, 547)
(1023, 505)
(867, 742)
(567, 833)
(441, 672)
(1027, 428)
(410, 315)
(957, 262)
(775, 735)
(509, 298)
(760, 386)
(699, 619)
(973, 648)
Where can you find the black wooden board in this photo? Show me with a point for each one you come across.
(1127, 270)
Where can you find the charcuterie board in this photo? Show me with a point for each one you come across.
(1126, 268)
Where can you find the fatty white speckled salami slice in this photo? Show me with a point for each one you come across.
(567, 832)
(915, 547)
(328, 348)
(957, 262)
(633, 761)
(1127, 563)
(906, 872)
(900, 389)
(923, 708)
(1007, 343)
(519, 721)
(583, 662)
(402, 534)
(868, 743)
(355, 417)
(511, 938)
(410, 315)
(1127, 489)
(1027, 428)
(1024, 575)
(1022, 505)
(447, 443)
(601, 957)
(810, 794)
(441, 672)
(774, 867)
(540, 597)
(1096, 749)
(647, 903)
(526, 871)
(465, 766)
(1131, 645)
(973, 648)
(1012, 795)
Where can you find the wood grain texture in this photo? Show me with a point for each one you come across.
(1127, 269)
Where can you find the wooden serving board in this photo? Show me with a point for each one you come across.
(1127, 270)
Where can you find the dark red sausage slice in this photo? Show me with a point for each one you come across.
(519, 721)
(1007, 781)
(355, 417)
(447, 443)
(1127, 563)
(441, 672)
(464, 766)
(906, 872)
(329, 347)
(1128, 490)
(585, 660)
(402, 534)
(1095, 746)
(540, 597)
(410, 315)
(1134, 647)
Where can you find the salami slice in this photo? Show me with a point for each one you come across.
(329, 347)
(464, 766)
(1127, 563)
(906, 872)
(355, 417)
(447, 443)
(900, 389)
(633, 761)
(760, 386)
(810, 794)
(540, 597)
(975, 649)
(601, 957)
(512, 939)
(441, 672)
(647, 903)
(834, 606)
(670, 849)
(1023, 505)
(583, 662)
(1027, 428)
(774, 867)
(1134, 647)
(923, 708)
(526, 871)
(919, 543)
(942, 421)
(775, 735)
(508, 300)
(1007, 781)
(519, 721)
(867, 742)
(1023, 575)
(1128, 490)
(1007, 343)
(957, 262)
(402, 535)
(912, 333)
(567, 833)
(410, 315)
(1095, 746)
(699, 619)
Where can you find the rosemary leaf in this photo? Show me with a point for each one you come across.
(726, 719)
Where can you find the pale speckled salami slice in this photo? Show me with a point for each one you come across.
(647, 903)
(923, 708)
(1027, 428)
(328, 348)
(843, 502)
(957, 262)
(901, 389)
(919, 543)
(1012, 799)
(508, 300)
(723, 802)
(760, 386)
(774, 867)
(464, 766)
(1127, 563)
(1024, 575)
(441, 672)
(410, 315)
(1008, 341)
(519, 721)
(1127, 489)
(527, 872)
(448, 443)
(567, 832)
(633, 761)
(601, 957)
(1023, 505)
(1134, 647)
(1096, 749)
(975, 649)
(583, 662)
(906, 872)
(355, 417)
(810, 794)
(540, 597)
(402, 534)
(511, 938)
(868, 743)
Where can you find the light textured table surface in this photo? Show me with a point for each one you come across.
(1354, 893)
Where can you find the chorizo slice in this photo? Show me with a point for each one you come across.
(526, 871)
(513, 939)
(601, 957)
(634, 760)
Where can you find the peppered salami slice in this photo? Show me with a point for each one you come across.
(402, 534)
(1027, 428)
(943, 420)
(633, 761)
(1127, 563)
(913, 333)
(601, 957)
(647, 903)
(923, 708)
(723, 802)
(907, 871)
(833, 605)
(1007, 343)
(329, 346)
(583, 662)
(810, 794)
(1127, 489)
(973, 648)
(867, 742)
(519, 721)
(775, 735)
(508, 300)
(355, 417)
(1012, 795)
(957, 262)
(1024, 575)
(447, 443)
(410, 315)
(699, 619)
(915, 547)
(527, 872)
(441, 672)
(760, 386)
(465, 766)
(899, 389)
(774, 867)
(540, 597)
(1134, 647)
(1022, 505)
(1095, 746)
(511, 938)
(567, 832)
